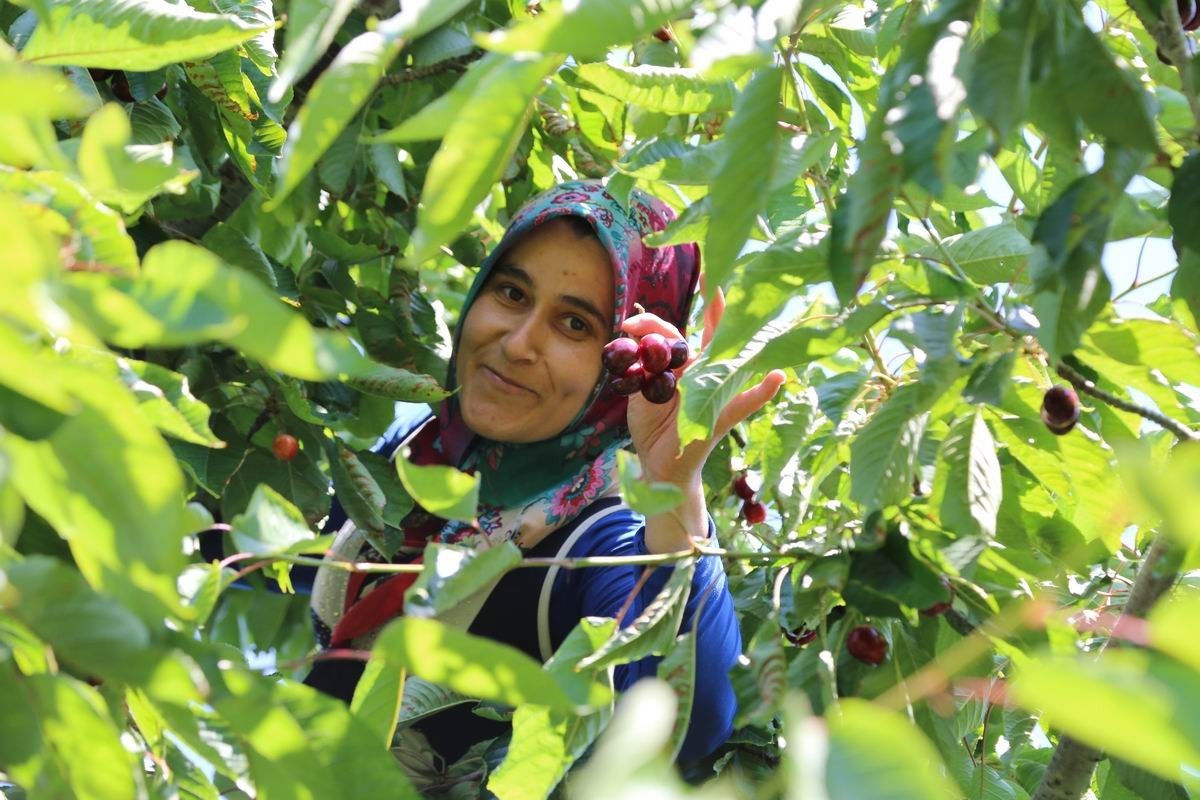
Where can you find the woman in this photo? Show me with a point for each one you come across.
(536, 419)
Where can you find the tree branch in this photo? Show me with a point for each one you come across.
(1087, 387)
(1069, 773)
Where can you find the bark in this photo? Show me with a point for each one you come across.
(1069, 773)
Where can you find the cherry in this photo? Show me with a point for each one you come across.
(867, 645)
(120, 87)
(629, 382)
(285, 446)
(741, 487)
(679, 354)
(654, 352)
(663, 34)
(940, 608)
(799, 637)
(659, 388)
(619, 354)
(1060, 409)
(1187, 13)
(754, 512)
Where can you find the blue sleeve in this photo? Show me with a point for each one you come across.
(604, 591)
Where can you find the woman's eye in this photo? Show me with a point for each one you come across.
(506, 288)
(578, 325)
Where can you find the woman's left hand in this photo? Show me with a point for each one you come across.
(654, 428)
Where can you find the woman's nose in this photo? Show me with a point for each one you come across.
(522, 342)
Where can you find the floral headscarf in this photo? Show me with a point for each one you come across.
(527, 490)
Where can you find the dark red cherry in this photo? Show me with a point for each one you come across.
(663, 34)
(285, 447)
(941, 608)
(654, 352)
(799, 637)
(659, 388)
(867, 645)
(619, 354)
(630, 381)
(1060, 409)
(679, 354)
(754, 512)
(741, 487)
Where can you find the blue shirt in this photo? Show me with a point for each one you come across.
(510, 613)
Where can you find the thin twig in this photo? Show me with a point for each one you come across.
(1087, 387)
(637, 587)
(416, 73)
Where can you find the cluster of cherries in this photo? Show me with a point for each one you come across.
(753, 511)
(645, 366)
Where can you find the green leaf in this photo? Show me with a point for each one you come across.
(476, 149)
(645, 497)
(58, 740)
(545, 743)
(88, 630)
(1184, 204)
(185, 294)
(894, 572)
(376, 701)
(883, 456)
(678, 670)
(1125, 703)
(654, 630)
(760, 676)
(360, 495)
(140, 36)
(39, 94)
(451, 574)
(469, 664)
(398, 384)
(125, 175)
(1071, 288)
(668, 90)
(312, 24)
(588, 636)
(586, 29)
(432, 120)
(670, 160)
(348, 84)
(969, 473)
(1151, 344)
(777, 434)
(164, 396)
(999, 87)
(1109, 99)
(422, 699)
(995, 254)
(762, 285)
(100, 232)
(876, 753)
(108, 483)
(272, 526)
(708, 384)
(739, 187)
(909, 135)
(442, 491)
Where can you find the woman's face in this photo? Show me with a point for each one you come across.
(529, 348)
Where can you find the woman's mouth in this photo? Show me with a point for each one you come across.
(504, 384)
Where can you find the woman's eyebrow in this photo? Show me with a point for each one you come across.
(513, 271)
